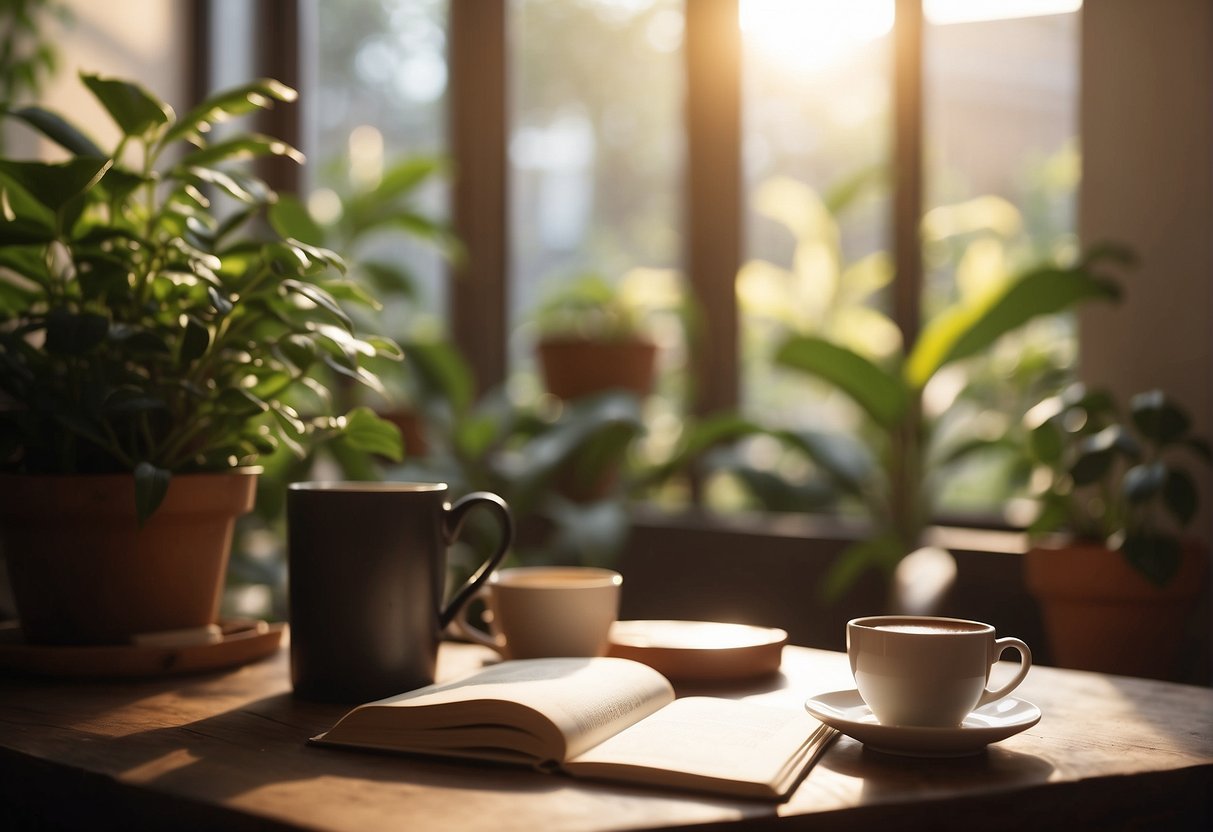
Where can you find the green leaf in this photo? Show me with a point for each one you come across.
(1157, 417)
(259, 94)
(1154, 556)
(194, 340)
(1045, 443)
(848, 463)
(1143, 482)
(1091, 467)
(55, 185)
(151, 487)
(961, 331)
(240, 402)
(58, 130)
(319, 297)
(441, 372)
(290, 218)
(134, 109)
(242, 147)
(404, 176)
(1180, 496)
(878, 393)
(880, 552)
(364, 431)
(1054, 512)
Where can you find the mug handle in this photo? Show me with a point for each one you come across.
(474, 634)
(1025, 663)
(453, 523)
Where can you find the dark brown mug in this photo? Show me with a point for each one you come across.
(366, 570)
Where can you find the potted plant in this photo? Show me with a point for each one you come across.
(373, 217)
(151, 341)
(894, 470)
(1117, 591)
(591, 341)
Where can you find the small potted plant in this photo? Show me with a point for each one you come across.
(1117, 591)
(153, 334)
(591, 341)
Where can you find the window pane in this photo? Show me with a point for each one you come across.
(380, 87)
(595, 154)
(816, 98)
(1002, 166)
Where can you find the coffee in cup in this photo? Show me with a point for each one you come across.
(541, 611)
(927, 671)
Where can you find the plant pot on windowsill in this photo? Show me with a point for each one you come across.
(84, 571)
(1102, 614)
(577, 367)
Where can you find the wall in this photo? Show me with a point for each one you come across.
(147, 41)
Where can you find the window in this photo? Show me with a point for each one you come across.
(745, 146)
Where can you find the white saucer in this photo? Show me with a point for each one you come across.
(846, 711)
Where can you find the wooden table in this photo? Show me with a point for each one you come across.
(226, 751)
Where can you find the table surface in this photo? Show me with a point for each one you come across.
(227, 748)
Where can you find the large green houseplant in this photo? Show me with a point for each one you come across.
(895, 470)
(153, 336)
(1114, 567)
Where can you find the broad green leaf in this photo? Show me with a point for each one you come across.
(58, 130)
(241, 402)
(151, 487)
(404, 176)
(1153, 555)
(1157, 417)
(134, 109)
(1054, 512)
(290, 218)
(319, 297)
(1180, 496)
(1143, 482)
(878, 393)
(848, 463)
(222, 106)
(962, 331)
(844, 194)
(441, 372)
(1045, 442)
(55, 185)
(880, 552)
(251, 146)
(194, 340)
(388, 278)
(364, 431)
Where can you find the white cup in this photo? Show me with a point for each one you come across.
(923, 671)
(541, 611)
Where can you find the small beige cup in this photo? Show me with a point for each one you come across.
(925, 671)
(541, 611)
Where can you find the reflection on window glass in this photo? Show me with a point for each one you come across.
(816, 99)
(379, 112)
(1002, 166)
(595, 154)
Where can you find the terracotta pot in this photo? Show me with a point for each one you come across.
(84, 572)
(1101, 614)
(576, 367)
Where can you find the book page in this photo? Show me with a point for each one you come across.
(567, 704)
(714, 744)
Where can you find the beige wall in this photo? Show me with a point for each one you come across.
(1147, 134)
(140, 40)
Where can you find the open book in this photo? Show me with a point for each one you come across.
(605, 718)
